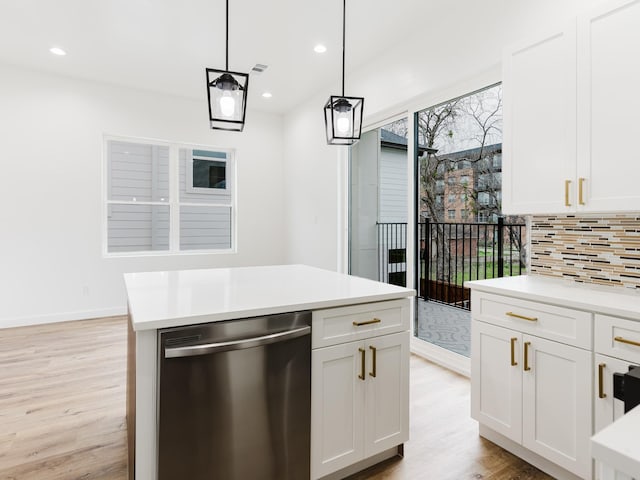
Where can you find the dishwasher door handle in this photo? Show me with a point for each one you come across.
(208, 348)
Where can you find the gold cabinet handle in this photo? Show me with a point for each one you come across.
(373, 360)
(368, 322)
(601, 368)
(522, 317)
(566, 193)
(526, 356)
(362, 363)
(513, 352)
(628, 342)
(580, 190)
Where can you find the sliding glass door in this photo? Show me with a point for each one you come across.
(461, 232)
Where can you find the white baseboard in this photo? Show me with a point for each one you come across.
(446, 358)
(60, 317)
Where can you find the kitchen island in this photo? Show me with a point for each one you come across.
(349, 313)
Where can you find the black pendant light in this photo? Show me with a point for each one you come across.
(343, 115)
(227, 93)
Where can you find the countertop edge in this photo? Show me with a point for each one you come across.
(269, 310)
(595, 306)
(605, 450)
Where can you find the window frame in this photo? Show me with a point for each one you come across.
(174, 202)
(188, 178)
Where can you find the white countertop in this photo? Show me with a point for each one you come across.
(618, 301)
(185, 297)
(618, 445)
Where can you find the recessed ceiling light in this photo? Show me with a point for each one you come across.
(57, 51)
(319, 48)
(267, 95)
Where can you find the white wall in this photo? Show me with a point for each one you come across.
(311, 190)
(51, 140)
(462, 39)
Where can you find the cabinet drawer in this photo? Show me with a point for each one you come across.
(345, 324)
(618, 338)
(565, 325)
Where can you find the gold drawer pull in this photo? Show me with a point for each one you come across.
(628, 342)
(515, 315)
(362, 363)
(513, 351)
(566, 193)
(580, 190)
(368, 322)
(526, 356)
(373, 352)
(601, 368)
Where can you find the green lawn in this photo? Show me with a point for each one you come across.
(479, 271)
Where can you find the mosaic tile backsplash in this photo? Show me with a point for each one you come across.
(590, 249)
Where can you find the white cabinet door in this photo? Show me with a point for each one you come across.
(556, 393)
(496, 383)
(539, 85)
(337, 407)
(387, 394)
(609, 101)
(607, 409)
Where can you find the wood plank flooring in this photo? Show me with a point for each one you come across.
(62, 401)
(62, 413)
(444, 443)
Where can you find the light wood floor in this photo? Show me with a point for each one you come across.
(62, 413)
(62, 401)
(444, 443)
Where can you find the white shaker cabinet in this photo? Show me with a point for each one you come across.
(496, 379)
(556, 407)
(570, 116)
(360, 388)
(617, 346)
(608, 105)
(539, 144)
(338, 420)
(387, 393)
(533, 390)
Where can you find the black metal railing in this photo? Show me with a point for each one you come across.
(450, 254)
(392, 253)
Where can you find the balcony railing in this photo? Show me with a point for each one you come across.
(450, 254)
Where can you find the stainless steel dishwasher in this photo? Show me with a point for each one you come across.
(235, 399)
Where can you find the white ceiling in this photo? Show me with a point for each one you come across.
(165, 45)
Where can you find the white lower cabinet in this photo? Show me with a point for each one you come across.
(617, 348)
(534, 391)
(607, 409)
(360, 401)
(496, 379)
(556, 407)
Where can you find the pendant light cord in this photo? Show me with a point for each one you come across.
(344, 10)
(227, 37)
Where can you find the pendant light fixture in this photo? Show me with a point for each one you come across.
(343, 115)
(227, 93)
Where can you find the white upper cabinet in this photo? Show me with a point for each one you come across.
(570, 103)
(539, 123)
(608, 106)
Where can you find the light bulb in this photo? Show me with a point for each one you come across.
(343, 124)
(227, 104)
